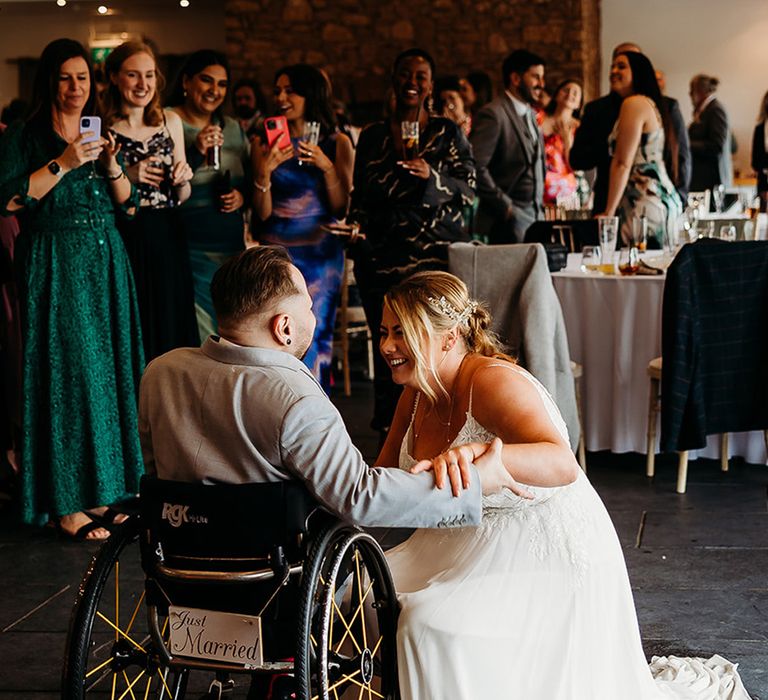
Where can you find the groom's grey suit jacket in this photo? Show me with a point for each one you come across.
(236, 414)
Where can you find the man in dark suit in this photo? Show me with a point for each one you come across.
(710, 136)
(509, 153)
(590, 145)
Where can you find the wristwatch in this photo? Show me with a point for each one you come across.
(55, 168)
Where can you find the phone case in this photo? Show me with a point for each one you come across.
(277, 130)
(94, 125)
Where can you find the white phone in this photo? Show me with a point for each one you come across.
(90, 124)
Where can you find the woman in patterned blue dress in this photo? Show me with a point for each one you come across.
(297, 192)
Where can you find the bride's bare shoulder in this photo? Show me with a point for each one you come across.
(495, 381)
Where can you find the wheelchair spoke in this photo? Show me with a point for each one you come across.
(114, 685)
(130, 685)
(135, 612)
(360, 596)
(349, 631)
(117, 599)
(118, 632)
(146, 690)
(162, 678)
(352, 622)
(98, 668)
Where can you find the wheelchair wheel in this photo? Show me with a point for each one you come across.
(352, 641)
(109, 650)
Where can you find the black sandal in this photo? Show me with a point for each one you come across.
(81, 534)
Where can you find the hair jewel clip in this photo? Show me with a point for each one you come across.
(443, 306)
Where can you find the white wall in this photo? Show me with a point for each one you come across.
(724, 38)
(26, 28)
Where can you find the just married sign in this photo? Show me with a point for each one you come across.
(205, 634)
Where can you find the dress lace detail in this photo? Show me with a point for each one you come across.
(556, 517)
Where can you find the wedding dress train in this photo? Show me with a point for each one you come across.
(534, 604)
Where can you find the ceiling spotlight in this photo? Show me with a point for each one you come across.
(61, 3)
(102, 9)
(184, 3)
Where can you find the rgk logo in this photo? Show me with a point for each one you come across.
(175, 515)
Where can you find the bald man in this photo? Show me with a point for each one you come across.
(590, 145)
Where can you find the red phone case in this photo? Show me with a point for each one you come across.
(277, 130)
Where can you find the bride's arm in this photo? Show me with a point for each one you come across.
(390, 450)
(509, 405)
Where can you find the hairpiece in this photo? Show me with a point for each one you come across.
(443, 306)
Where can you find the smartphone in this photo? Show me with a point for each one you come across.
(277, 130)
(90, 124)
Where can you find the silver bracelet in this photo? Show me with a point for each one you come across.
(262, 188)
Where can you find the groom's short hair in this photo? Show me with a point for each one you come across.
(251, 282)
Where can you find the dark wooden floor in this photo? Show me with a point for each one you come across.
(698, 565)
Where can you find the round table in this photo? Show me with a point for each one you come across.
(614, 330)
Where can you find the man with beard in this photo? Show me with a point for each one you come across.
(509, 153)
(590, 144)
(244, 408)
(249, 106)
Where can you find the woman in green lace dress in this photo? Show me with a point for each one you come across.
(82, 357)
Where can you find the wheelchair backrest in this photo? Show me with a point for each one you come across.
(221, 521)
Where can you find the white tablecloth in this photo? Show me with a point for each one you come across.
(614, 330)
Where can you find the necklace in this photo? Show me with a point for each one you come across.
(446, 425)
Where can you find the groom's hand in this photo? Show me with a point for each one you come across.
(454, 463)
(494, 475)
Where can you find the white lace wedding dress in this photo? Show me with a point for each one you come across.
(534, 604)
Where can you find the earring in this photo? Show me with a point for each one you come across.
(185, 93)
(287, 341)
(430, 105)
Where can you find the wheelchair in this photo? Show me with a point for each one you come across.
(217, 581)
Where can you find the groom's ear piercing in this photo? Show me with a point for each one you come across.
(287, 341)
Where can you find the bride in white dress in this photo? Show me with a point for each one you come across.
(535, 603)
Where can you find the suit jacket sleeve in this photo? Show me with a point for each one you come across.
(588, 141)
(485, 137)
(316, 448)
(683, 148)
(711, 139)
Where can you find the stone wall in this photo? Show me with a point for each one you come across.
(356, 40)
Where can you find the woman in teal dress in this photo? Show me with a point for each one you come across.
(639, 183)
(82, 356)
(297, 192)
(212, 217)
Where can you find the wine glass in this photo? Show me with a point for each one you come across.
(629, 260)
(590, 258)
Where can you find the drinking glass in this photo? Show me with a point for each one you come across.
(590, 258)
(410, 133)
(718, 194)
(629, 260)
(609, 231)
(728, 233)
(311, 135)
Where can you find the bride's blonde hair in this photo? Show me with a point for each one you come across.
(433, 303)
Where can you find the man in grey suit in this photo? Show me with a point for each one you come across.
(509, 153)
(710, 135)
(244, 408)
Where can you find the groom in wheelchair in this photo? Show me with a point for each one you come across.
(243, 449)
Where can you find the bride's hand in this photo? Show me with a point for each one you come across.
(455, 463)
